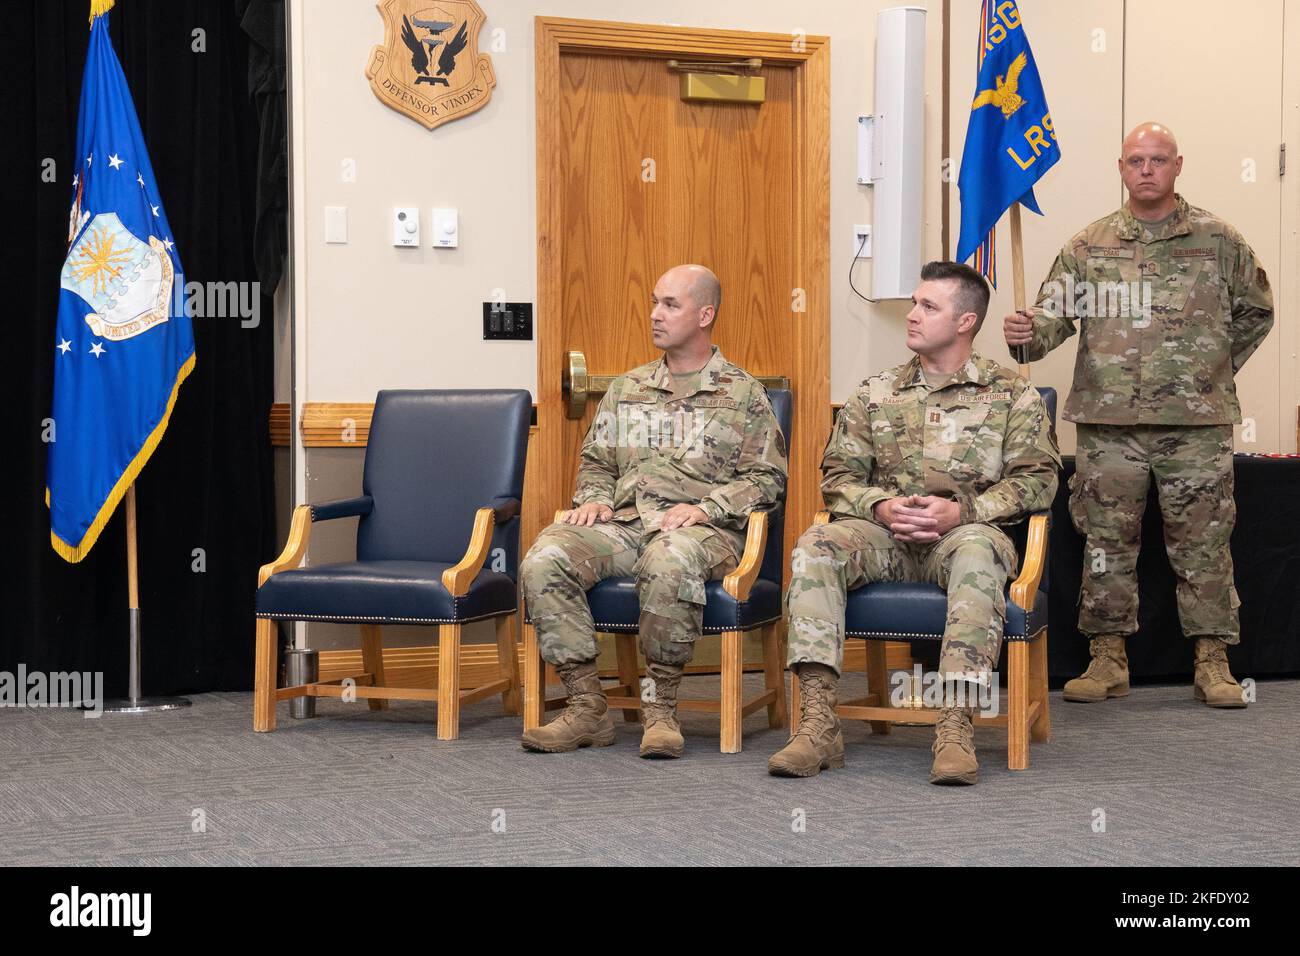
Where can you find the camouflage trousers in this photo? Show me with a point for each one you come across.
(670, 568)
(971, 562)
(1192, 465)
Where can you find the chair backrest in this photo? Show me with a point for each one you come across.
(773, 559)
(434, 458)
(1049, 399)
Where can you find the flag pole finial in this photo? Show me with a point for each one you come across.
(98, 8)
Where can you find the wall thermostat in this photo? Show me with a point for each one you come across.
(446, 228)
(406, 226)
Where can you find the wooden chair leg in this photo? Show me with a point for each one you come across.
(1017, 705)
(372, 661)
(264, 677)
(534, 680)
(878, 682)
(508, 659)
(448, 681)
(628, 672)
(733, 669)
(1041, 729)
(774, 673)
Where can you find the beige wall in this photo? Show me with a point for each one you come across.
(374, 316)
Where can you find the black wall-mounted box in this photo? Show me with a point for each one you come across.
(508, 320)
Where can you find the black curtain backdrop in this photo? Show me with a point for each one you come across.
(1266, 566)
(209, 484)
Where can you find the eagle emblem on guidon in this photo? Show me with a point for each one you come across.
(126, 281)
(429, 66)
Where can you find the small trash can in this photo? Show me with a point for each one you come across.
(301, 666)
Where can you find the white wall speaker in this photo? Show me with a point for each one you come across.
(897, 143)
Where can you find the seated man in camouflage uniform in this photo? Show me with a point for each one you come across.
(678, 454)
(924, 462)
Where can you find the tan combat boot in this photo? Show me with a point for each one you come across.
(818, 744)
(954, 748)
(1214, 683)
(662, 737)
(1107, 673)
(585, 720)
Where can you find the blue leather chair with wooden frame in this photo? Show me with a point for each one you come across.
(441, 492)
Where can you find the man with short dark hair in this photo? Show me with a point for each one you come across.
(926, 460)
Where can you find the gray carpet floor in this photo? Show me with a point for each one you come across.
(1177, 783)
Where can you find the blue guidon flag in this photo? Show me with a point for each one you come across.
(123, 343)
(1010, 142)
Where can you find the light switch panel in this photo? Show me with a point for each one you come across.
(336, 223)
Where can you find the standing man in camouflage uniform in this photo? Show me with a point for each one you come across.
(678, 454)
(1172, 301)
(924, 462)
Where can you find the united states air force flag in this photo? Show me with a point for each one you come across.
(123, 341)
(1010, 142)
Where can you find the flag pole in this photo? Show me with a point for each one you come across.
(1018, 282)
(135, 703)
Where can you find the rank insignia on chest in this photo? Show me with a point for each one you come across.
(934, 417)
(1150, 268)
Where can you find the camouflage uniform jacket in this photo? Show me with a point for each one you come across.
(719, 448)
(984, 440)
(1169, 316)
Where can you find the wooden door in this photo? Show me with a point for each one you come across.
(632, 180)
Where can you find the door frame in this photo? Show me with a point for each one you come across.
(809, 57)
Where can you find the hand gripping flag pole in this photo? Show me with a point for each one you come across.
(124, 340)
(1018, 284)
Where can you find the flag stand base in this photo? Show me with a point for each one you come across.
(136, 703)
(144, 705)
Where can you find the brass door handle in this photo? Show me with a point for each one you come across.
(573, 384)
(577, 385)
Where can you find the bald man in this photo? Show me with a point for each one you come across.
(679, 453)
(1170, 302)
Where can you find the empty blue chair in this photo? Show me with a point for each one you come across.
(747, 599)
(441, 492)
(904, 611)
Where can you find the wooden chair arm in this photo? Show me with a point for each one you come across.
(822, 517)
(739, 581)
(1025, 587)
(457, 578)
(294, 548)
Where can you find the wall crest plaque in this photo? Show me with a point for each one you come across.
(429, 66)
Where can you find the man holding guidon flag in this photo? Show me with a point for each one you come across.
(123, 341)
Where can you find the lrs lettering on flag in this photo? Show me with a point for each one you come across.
(1010, 140)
